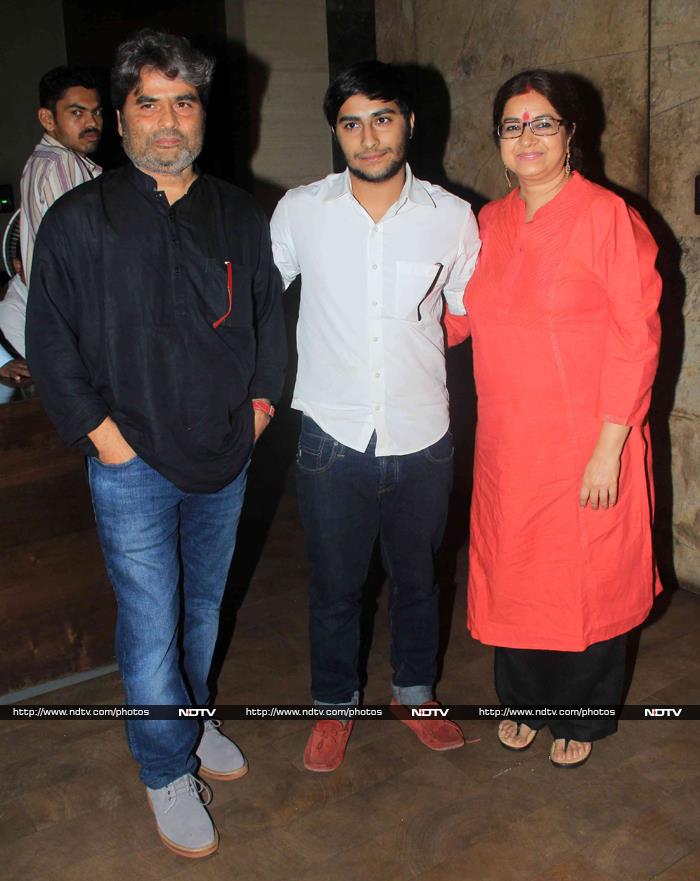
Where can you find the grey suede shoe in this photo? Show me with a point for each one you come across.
(220, 757)
(184, 825)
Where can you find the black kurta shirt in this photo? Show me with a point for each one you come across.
(124, 292)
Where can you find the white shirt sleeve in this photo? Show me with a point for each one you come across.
(283, 248)
(463, 267)
(13, 316)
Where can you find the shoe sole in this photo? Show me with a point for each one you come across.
(323, 770)
(217, 775)
(188, 852)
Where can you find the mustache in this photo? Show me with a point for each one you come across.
(166, 133)
(373, 153)
(89, 130)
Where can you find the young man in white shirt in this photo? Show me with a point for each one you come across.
(377, 250)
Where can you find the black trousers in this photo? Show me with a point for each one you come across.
(537, 677)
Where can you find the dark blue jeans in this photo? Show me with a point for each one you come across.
(346, 500)
(167, 554)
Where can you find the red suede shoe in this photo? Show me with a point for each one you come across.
(325, 748)
(437, 734)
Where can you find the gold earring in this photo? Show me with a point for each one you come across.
(507, 174)
(567, 164)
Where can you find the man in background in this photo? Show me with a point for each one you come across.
(70, 112)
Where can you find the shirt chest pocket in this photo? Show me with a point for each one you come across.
(416, 290)
(227, 296)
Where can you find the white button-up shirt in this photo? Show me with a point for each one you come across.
(369, 338)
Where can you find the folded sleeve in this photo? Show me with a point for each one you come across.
(633, 332)
(463, 266)
(53, 342)
(283, 248)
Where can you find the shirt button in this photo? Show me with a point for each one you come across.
(374, 266)
(374, 302)
(375, 339)
(377, 406)
(378, 374)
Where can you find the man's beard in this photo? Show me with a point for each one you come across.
(393, 168)
(141, 154)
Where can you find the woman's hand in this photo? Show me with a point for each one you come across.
(602, 473)
(599, 484)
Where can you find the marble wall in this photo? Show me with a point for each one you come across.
(646, 69)
(674, 162)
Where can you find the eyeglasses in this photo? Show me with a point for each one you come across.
(543, 126)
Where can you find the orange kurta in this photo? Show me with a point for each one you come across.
(563, 316)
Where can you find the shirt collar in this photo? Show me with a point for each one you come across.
(142, 181)
(413, 189)
(147, 184)
(48, 141)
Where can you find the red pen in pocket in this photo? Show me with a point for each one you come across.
(229, 285)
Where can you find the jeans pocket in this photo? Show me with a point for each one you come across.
(316, 453)
(442, 451)
(111, 466)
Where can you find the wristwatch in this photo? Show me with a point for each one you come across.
(264, 406)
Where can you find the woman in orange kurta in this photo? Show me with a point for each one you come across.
(563, 315)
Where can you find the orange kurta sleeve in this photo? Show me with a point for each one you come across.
(632, 341)
(457, 328)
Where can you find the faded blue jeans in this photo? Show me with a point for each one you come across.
(168, 555)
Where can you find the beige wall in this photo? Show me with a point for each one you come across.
(290, 40)
(475, 46)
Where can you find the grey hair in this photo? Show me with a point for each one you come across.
(169, 54)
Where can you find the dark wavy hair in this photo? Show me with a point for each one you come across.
(561, 92)
(375, 79)
(55, 83)
(169, 54)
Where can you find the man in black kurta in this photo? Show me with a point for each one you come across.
(155, 333)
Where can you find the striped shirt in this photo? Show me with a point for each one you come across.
(50, 171)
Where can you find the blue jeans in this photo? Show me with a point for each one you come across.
(167, 554)
(347, 499)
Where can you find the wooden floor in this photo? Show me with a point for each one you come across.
(72, 808)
